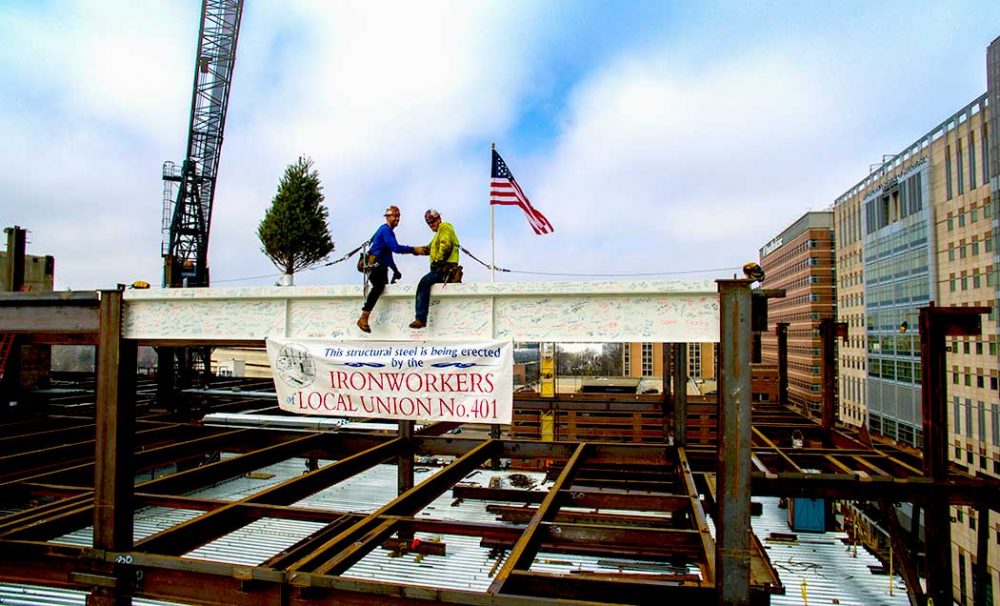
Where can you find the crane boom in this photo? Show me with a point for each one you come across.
(189, 189)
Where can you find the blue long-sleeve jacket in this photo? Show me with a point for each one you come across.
(384, 244)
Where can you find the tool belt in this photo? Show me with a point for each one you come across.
(367, 262)
(451, 273)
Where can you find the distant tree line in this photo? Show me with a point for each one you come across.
(590, 362)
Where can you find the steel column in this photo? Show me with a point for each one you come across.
(667, 394)
(828, 342)
(113, 473)
(733, 515)
(404, 462)
(935, 324)
(781, 329)
(680, 394)
(404, 468)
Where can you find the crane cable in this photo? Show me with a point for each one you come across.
(510, 271)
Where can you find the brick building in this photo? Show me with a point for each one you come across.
(800, 260)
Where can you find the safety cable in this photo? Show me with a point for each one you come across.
(466, 251)
(344, 258)
(619, 275)
(510, 271)
(328, 264)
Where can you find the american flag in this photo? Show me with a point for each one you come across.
(505, 191)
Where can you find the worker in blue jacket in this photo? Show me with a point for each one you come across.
(383, 245)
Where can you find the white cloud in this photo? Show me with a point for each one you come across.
(684, 147)
(668, 164)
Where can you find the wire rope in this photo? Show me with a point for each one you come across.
(515, 271)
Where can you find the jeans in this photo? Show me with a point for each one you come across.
(378, 278)
(424, 293)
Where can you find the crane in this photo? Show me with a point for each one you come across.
(189, 189)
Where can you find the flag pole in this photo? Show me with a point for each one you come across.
(493, 246)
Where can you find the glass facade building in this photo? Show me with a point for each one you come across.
(899, 270)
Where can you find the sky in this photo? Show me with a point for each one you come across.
(667, 140)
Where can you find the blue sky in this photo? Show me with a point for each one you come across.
(657, 137)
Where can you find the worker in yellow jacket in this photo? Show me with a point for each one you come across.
(443, 251)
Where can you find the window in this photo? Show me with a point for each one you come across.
(694, 360)
(960, 169)
(961, 219)
(647, 359)
(981, 417)
(986, 154)
(975, 248)
(951, 252)
(627, 359)
(972, 162)
(947, 172)
(968, 420)
(996, 424)
(951, 223)
(962, 590)
(957, 417)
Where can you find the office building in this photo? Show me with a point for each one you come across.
(922, 229)
(800, 260)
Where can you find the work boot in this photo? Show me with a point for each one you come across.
(418, 324)
(363, 321)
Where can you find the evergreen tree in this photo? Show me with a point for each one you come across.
(294, 230)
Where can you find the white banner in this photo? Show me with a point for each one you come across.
(468, 382)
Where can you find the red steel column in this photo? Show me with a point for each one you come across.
(936, 323)
(113, 472)
(733, 470)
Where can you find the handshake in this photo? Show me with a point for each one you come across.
(421, 250)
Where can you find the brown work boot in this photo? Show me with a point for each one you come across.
(418, 324)
(363, 321)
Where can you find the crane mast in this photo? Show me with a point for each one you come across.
(189, 189)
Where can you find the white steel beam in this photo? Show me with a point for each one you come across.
(565, 312)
